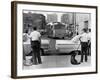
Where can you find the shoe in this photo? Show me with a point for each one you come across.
(85, 60)
(35, 63)
(81, 61)
(40, 62)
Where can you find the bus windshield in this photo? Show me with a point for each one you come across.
(59, 26)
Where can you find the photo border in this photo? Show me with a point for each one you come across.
(14, 37)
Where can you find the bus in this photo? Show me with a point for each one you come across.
(56, 30)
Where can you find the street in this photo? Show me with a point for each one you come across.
(57, 61)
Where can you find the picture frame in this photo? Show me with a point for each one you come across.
(18, 10)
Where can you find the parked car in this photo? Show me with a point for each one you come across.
(67, 46)
(52, 46)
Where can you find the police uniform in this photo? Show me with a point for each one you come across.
(84, 38)
(35, 44)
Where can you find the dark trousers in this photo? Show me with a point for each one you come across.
(84, 51)
(36, 58)
(89, 49)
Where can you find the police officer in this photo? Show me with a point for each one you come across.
(84, 38)
(35, 37)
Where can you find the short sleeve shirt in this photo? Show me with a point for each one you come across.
(85, 37)
(35, 35)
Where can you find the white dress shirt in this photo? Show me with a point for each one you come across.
(35, 35)
(85, 37)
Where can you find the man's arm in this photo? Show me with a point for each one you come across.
(30, 36)
(40, 38)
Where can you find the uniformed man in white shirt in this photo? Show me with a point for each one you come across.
(84, 38)
(35, 37)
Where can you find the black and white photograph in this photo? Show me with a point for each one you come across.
(54, 39)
